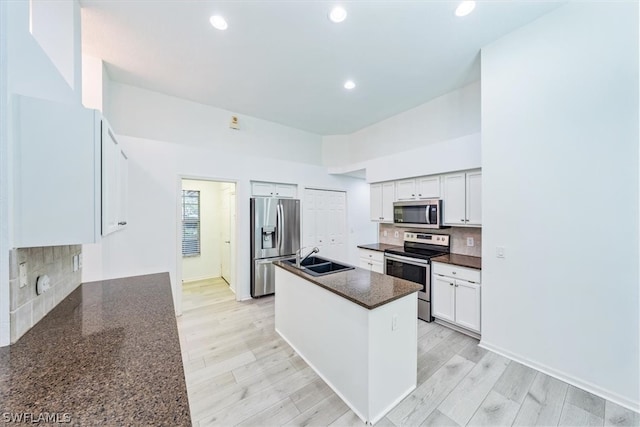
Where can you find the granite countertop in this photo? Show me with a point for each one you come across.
(108, 354)
(460, 260)
(363, 287)
(380, 247)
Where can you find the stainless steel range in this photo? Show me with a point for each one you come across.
(413, 263)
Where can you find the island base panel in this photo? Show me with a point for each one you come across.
(370, 363)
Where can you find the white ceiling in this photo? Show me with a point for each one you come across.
(284, 61)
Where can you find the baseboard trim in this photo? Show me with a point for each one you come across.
(457, 328)
(198, 279)
(563, 376)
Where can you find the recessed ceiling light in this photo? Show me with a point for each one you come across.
(349, 84)
(218, 22)
(465, 8)
(337, 14)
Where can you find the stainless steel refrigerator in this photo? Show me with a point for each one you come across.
(275, 235)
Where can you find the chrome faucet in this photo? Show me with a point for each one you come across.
(299, 261)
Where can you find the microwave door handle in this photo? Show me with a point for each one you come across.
(426, 213)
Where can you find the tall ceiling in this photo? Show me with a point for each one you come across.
(284, 61)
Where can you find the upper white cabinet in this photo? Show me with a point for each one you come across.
(114, 182)
(270, 189)
(56, 173)
(462, 198)
(60, 166)
(382, 198)
(427, 187)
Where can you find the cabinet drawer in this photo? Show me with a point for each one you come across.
(456, 272)
(372, 255)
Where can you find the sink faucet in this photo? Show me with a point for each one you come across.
(300, 261)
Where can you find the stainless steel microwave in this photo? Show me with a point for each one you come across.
(419, 213)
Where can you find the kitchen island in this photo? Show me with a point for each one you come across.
(108, 354)
(357, 329)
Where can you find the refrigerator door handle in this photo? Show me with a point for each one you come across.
(279, 226)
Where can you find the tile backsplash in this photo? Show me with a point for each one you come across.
(27, 308)
(458, 237)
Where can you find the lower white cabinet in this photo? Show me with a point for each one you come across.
(371, 260)
(455, 295)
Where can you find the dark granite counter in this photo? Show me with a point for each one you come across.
(363, 287)
(108, 354)
(380, 247)
(460, 260)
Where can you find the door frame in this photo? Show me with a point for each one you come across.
(177, 288)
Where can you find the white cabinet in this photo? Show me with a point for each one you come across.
(70, 175)
(324, 222)
(427, 187)
(56, 173)
(271, 189)
(382, 198)
(371, 260)
(456, 295)
(114, 182)
(462, 199)
(406, 189)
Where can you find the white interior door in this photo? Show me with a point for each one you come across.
(325, 222)
(225, 232)
(232, 244)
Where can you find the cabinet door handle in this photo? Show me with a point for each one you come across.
(122, 223)
(450, 284)
(462, 220)
(456, 286)
(419, 195)
(453, 272)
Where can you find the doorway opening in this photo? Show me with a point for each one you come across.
(208, 233)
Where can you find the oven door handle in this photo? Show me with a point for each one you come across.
(406, 260)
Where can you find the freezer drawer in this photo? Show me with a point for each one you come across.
(264, 276)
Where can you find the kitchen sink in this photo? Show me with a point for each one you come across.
(316, 266)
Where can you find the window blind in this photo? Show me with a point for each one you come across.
(190, 223)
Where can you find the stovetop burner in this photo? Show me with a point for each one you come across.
(422, 245)
(416, 253)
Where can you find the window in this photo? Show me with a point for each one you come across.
(190, 223)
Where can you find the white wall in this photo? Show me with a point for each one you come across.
(28, 70)
(209, 149)
(441, 135)
(207, 264)
(52, 26)
(560, 194)
(146, 114)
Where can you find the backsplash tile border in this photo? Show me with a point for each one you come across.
(27, 308)
(458, 237)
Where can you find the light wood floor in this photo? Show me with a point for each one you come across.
(240, 372)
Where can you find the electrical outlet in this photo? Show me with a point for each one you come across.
(394, 322)
(23, 274)
(470, 241)
(76, 261)
(80, 261)
(396, 234)
(384, 233)
(500, 252)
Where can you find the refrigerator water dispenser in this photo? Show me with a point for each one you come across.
(268, 237)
